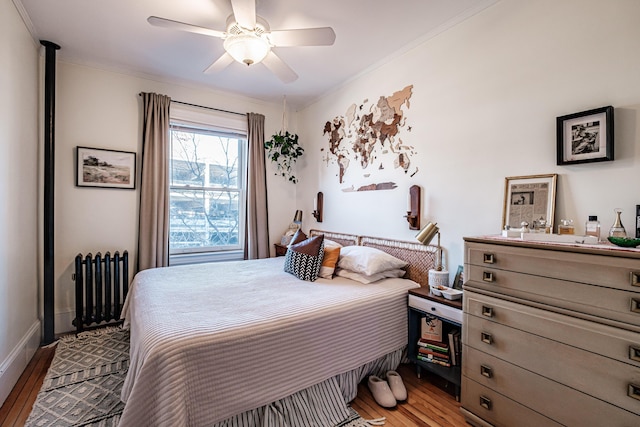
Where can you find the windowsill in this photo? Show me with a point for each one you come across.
(199, 258)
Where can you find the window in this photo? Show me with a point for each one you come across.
(206, 190)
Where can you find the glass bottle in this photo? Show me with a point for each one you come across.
(617, 229)
(566, 226)
(592, 227)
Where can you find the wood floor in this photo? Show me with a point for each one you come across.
(429, 402)
(17, 407)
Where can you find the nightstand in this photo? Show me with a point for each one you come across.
(422, 303)
(281, 250)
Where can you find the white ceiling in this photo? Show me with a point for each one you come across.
(115, 35)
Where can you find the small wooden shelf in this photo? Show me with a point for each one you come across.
(452, 374)
(426, 293)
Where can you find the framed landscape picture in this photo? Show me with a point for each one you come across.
(585, 137)
(97, 167)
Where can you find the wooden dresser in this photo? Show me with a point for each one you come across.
(551, 334)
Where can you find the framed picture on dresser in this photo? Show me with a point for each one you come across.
(529, 199)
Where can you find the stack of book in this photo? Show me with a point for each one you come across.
(441, 353)
(434, 352)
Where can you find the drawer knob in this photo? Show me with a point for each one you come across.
(489, 259)
(486, 371)
(634, 353)
(488, 276)
(634, 391)
(635, 305)
(486, 338)
(485, 402)
(635, 281)
(487, 311)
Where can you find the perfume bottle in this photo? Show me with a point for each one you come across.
(566, 226)
(592, 227)
(617, 229)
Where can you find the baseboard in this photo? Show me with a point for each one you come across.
(16, 362)
(63, 321)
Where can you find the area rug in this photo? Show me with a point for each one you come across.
(83, 384)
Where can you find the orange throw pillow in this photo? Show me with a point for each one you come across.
(331, 255)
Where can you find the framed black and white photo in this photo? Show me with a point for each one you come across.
(97, 167)
(585, 137)
(530, 199)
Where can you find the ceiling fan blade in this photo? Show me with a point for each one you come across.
(245, 13)
(175, 25)
(278, 67)
(219, 64)
(322, 36)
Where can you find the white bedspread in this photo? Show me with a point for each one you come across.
(212, 340)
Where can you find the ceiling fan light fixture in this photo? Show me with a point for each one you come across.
(246, 48)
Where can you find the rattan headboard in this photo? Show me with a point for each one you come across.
(421, 258)
(342, 238)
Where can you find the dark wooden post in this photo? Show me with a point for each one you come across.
(49, 173)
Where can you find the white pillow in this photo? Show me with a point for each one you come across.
(368, 261)
(330, 243)
(363, 278)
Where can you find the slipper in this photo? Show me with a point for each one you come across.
(381, 392)
(397, 386)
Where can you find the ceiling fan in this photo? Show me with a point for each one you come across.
(249, 40)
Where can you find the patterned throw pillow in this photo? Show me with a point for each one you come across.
(298, 237)
(304, 259)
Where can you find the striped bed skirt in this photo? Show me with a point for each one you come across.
(321, 405)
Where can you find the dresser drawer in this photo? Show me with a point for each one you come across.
(560, 403)
(607, 303)
(593, 374)
(613, 343)
(499, 410)
(435, 308)
(608, 271)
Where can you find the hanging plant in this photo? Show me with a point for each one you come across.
(283, 149)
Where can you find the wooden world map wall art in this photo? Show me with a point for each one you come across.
(368, 136)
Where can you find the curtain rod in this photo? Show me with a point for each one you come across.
(206, 108)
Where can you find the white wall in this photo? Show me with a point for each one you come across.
(19, 324)
(102, 109)
(485, 100)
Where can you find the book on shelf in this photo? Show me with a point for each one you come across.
(432, 357)
(434, 345)
(455, 356)
(428, 352)
(431, 329)
(434, 361)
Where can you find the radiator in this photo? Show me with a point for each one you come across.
(101, 287)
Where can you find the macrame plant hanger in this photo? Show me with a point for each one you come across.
(283, 129)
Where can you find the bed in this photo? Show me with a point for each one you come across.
(219, 343)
